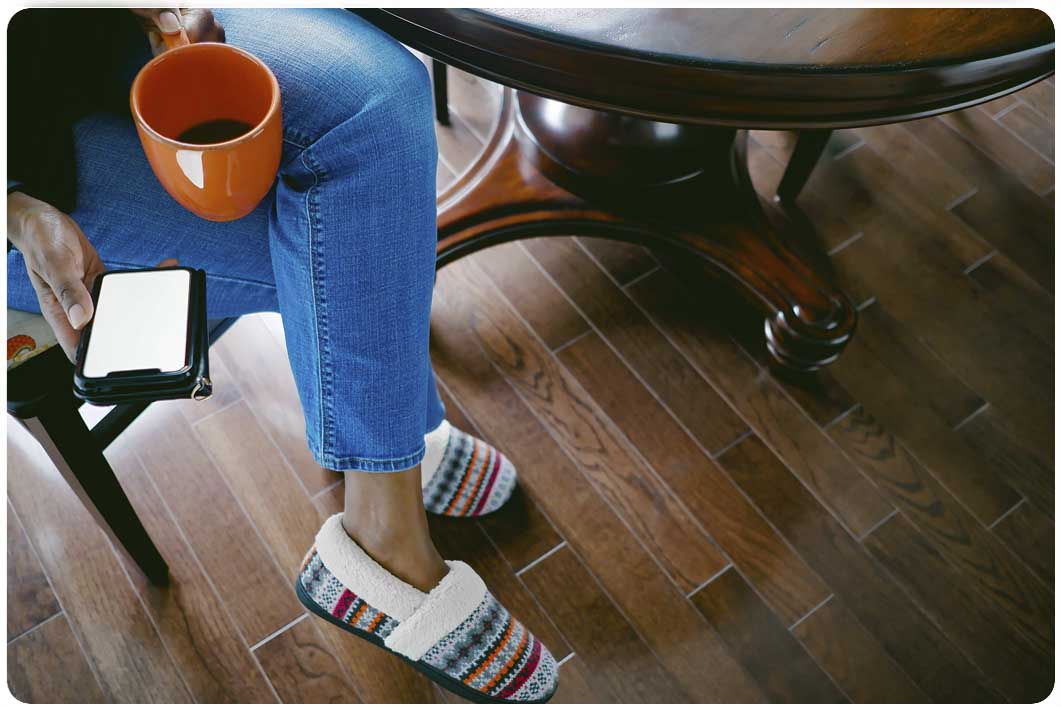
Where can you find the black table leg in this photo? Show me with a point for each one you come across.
(79, 457)
(809, 147)
(440, 81)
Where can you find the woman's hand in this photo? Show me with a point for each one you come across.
(61, 263)
(199, 23)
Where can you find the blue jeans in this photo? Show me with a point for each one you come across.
(343, 246)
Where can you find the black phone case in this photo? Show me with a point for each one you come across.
(191, 381)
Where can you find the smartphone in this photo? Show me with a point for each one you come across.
(146, 340)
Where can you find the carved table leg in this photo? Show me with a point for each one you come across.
(678, 187)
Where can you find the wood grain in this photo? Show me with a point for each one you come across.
(46, 666)
(259, 366)
(1029, 533)
(1016, 663)
(684, 643)
(302, 669)
(762, 643)
(591, 440)
(790, 587)
(534, 296)
(853, 658)
(30, 599)
(618, 663)
(810, 454)
(212, 656)
(118, 638)
(955, 533)
(693, 401)
(218, 530)
(914, 642)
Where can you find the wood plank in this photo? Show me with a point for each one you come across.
(46, 666)
(575, 687)
(934, 178)
(899, 203)
(209, 651)
(30, 599)
(916, 398)
(682, 640)
(1021, 668)
(217, 529)
(104, 611)
(817, 393)
(679, 387)
(1029, 470)
(787, 584)
(1029, 533)
(623, 261)
(1040, 96)
(302, 669)
(590, 438)
(1003, 147)
(1032, 128)
(853, 658)
(910, 366)
(264, 484)
(1015, 295)
(762, 643)
(377, 674)
(618, 662)
(812, 456)
(534, 296)
(260, 367)
(984, 561)
(970, 327)
(901, 627)
(1003, 211)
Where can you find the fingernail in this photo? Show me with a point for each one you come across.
(77, 316)
(168, 22)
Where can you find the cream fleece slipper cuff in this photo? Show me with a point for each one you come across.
(457, 634)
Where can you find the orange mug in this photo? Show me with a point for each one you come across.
(201, 85)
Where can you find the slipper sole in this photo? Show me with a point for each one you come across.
(436, 676)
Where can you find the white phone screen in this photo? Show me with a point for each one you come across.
(141, 322)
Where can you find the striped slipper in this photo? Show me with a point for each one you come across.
(457, 634)
(463, 476)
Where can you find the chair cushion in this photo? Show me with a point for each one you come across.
(28, 335)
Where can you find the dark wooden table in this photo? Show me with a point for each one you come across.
(629, 124)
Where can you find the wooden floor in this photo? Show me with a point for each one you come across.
(690, 526)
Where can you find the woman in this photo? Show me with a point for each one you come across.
(343, 247)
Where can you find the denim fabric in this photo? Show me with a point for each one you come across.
(343, 247)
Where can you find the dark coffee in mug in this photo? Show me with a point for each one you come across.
(214, 131)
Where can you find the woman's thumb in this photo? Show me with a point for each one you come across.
(168, 21)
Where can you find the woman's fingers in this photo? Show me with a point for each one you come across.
(74, 297)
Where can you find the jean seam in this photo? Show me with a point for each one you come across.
(368, 464)
(320, 303)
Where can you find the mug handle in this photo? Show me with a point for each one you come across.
(176, 39)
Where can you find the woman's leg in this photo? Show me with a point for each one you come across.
(352, 239)
(343, 247)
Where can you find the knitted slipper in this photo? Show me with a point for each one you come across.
(463, 475)
(457, 634)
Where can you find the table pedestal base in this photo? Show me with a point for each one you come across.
(551, 169)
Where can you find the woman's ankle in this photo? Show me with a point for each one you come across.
(384, 514)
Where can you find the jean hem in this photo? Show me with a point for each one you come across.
(372, 466)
